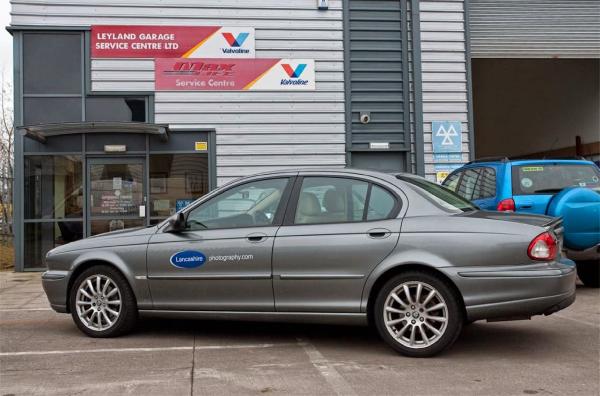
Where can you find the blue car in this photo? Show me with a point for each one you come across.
(564, 188)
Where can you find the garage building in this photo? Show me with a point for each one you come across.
(104, 143)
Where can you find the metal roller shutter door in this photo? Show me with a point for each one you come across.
(535, 28)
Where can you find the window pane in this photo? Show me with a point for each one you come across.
(116, 189)
(175, 181)
(452, 181)
(251, 204)
(115, 109)
(438, 195)
(51, 110)
(52, 63)
(468, 183)
(41, 237)
(53, 187)
(330, 200)
(549, 178)
(381, 204)
(102, 226)
(488, 183)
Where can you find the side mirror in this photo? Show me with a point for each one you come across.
(177, 223)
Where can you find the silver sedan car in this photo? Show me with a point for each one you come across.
(398, 252)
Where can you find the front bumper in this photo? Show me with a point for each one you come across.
(505, 293)
(56, 285)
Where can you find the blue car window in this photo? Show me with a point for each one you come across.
(468, 183)
(551, 178)
(486, 184)
(451, 182)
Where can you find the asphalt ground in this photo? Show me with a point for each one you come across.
(42, 352)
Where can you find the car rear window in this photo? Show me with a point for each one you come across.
(551, 178)
(438, 195)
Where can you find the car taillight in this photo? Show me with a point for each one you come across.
(543, 247)
(506, 205)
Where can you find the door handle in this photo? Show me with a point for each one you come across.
(526, 205)
(379, 233)
(256, 237)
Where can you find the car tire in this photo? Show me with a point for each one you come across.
(102, 303)
(407, 325)
(589, 272)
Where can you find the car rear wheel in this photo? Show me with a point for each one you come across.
(418, 314)
(101, 302)
(589, 272)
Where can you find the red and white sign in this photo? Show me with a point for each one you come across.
(223, 74)
(117, 41)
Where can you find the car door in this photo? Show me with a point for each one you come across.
(222, 259)
(336, 230)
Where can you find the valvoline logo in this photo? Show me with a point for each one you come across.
(235, 42)
(188, 259)
(294, 74)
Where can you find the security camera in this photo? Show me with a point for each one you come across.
(365, 118)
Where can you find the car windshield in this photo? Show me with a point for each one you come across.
(439, 195)
(551, 178)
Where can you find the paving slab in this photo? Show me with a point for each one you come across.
(42, 352)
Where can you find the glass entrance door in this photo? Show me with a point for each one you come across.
(117, 195)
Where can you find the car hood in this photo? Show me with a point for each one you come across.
(523, 218)
(131, 236)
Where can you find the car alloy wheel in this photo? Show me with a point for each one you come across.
(102, 303)
(416, 315)
(98, 302)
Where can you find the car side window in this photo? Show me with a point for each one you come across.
(325, 200)
(468, 183)
(381, 204)
(252, 204)
(486, 185)
(451, 182)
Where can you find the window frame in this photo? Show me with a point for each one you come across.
(279, 213)
(290, 214)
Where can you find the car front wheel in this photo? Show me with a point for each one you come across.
(589, 272)
(418, 314)
(101, 302)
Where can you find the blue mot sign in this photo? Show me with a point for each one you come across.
(446, 136)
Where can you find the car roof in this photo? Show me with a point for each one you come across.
(532, 161)
(389, 177)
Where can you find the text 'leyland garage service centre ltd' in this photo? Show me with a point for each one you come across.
(127, 112)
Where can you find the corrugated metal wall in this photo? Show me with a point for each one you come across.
(256, 131)
(535, 28)
(444, 71)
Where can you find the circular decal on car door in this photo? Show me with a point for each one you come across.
(188, 259)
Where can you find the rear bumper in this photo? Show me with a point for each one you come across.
(504, 293)
(588, 254)
(55, 285)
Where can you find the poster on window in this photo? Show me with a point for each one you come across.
(125, 41)
(234, 74)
